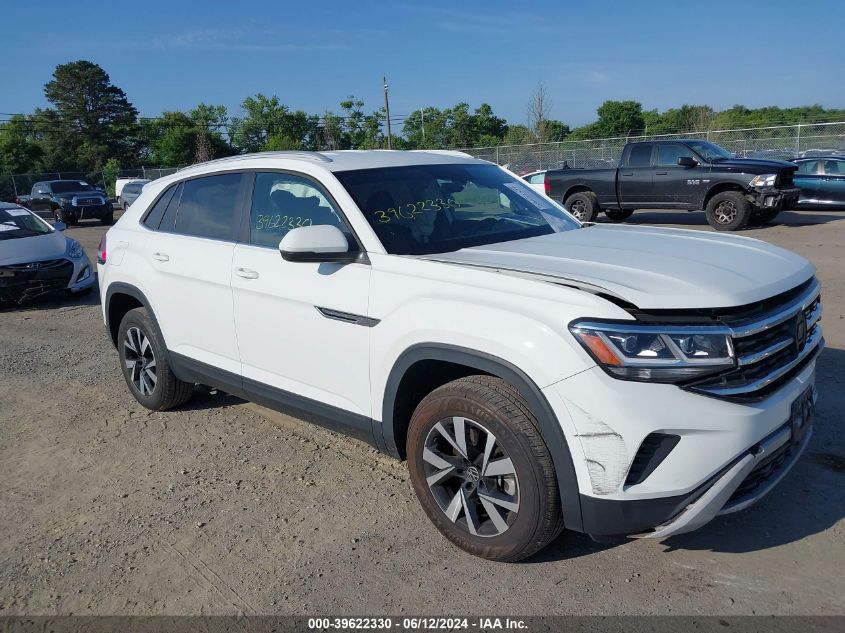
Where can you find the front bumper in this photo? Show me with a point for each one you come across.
(774, 198)
(31, 280)
(721, 442)
(87, 212)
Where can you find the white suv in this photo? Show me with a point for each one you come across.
(536, 373)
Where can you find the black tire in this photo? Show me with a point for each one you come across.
(728, 211)
(58, 215)
(584, 205)
(762, 218)
(618, 215)
(108, 220)
(167, 390)
(488, 406)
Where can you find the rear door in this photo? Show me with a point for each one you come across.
(190, 256)
(636, 176)
(676, 186)
(831, 186)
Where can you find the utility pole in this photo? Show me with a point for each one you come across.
(422, 113)
(387, 112)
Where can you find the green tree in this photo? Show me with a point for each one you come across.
(269, 124)
(20, 151)
(620, 118)
(91, 119)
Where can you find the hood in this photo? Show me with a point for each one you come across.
(32, 249)
(652, 268)
(754, 165)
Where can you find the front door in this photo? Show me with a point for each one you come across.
(302, 328)
(676, 186)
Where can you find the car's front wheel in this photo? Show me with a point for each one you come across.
(728, 211)
(144, 363)
(481, 469)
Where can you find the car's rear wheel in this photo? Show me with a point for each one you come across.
(584, 205)
(728, 211)
(144, 363)
(481, 469)
(618, 215)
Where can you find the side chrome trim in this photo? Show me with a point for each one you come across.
(348, 317)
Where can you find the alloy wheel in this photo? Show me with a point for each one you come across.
(140, 361)
(578, 208)
(471, 476)
(725, 212)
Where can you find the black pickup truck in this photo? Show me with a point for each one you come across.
(69, 201)
(679, 174)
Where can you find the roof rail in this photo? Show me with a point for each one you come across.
(314, 156)
(445, 152)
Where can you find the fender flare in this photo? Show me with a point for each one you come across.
(550, 429)
(120, 287)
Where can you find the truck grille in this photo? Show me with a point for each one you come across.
(771, 348)
(785, 178)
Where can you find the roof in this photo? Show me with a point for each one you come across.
(8, 205)
(344, 160)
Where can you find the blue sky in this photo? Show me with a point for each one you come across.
(172, 55)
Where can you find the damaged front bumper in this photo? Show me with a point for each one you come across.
(26, 281)
(774, 198)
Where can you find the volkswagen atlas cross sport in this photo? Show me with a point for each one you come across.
(535, 372)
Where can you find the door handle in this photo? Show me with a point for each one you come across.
(661, 173)
(630, 174)
(246, 273)
(161, 257)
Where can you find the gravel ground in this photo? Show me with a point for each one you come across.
(223, 507)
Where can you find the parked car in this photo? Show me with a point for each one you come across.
(537, 180)
(682, 174)
(130, 192)
(69, 201)
(36, 259)
(535, 372)
(821, 180)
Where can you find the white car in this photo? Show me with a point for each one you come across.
(36, 259)
(537, 181)
(535, 373)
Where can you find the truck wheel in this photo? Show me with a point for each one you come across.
(482, 471)
(145, 368)
(618, 215)
(108, 220)
(763, 217)
(728, 211)
(584, 205)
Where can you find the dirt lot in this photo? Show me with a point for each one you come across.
(222, 507)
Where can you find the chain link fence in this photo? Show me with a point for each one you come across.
(782, 141)
(13, 185)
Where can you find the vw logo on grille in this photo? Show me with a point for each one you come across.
(800, 332)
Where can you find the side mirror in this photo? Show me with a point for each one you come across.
(687, 161)
(321, 243)
(59, 226)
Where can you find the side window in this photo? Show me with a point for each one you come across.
(281, 202)
(537, 179)
(168, 222)
(669, 153)
(209, 207)
(640, 155)
(155, 214)
(834, 167)
(808, 167)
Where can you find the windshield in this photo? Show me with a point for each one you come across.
(68, 186)
(21, 223)
(709, 151)
(419, 210)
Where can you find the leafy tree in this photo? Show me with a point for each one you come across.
(20, 152)
(91, 119)
(111, 170)
(269, 124)
(620, 118)
(556, 130)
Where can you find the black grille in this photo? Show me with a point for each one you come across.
(19, 282)
(766, 338)
(762, 471)
(88, 201)
(785, 180)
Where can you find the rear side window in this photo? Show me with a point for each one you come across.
(640, 155)
(209, 207)
(834, 167)
(153, 218)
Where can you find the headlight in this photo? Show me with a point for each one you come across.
(764, 180)
(66, 202)
(655, 353)
(74, 249)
